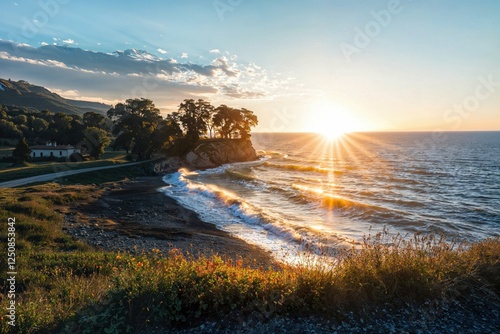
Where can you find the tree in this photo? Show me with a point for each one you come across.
(207, 115)
(9, 130)
(95, 140)
(22, 151)
(97, 120)
(169, 130)
(248, 120)
(226, 120)
(93, 119)
(3, 112)
(20, 119)
(39, 125)
(136, 122)
(60, 128)
(232, 122)
(194, 116)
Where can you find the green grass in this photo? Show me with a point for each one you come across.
(107, 175)
(40, 168)
(65, 285)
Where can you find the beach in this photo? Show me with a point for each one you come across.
(133, 216)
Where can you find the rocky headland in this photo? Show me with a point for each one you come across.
(215, 152)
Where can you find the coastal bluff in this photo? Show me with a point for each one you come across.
(216, 152)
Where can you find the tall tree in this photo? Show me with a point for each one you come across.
(248, 121)
(60, 128)
(193, 117)
(232, 122)
(136, 124)
(226, 120)
(95, 140)
(207, 112)
(22, 151)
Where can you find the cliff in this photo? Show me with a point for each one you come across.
(213, 153)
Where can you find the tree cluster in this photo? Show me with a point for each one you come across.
(135, 126)
(90, 131)
(139, 127)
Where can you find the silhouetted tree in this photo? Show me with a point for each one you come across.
(248, 120)
(226, 120)
(95, 140)
(136, 123)
(207, 115)
(193, 117)
(231, 122)
(22, 151)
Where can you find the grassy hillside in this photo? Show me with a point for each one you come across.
(25, 95)
(66, 285)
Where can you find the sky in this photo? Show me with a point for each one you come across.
(396, 65)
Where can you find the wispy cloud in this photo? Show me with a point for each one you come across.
(135, 73)
(162, 51)
(74, 94)
(69, 41)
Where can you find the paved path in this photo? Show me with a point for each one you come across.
(53, 176)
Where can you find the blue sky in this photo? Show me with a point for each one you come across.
(366, 65)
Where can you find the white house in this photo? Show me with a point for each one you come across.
(53, 150)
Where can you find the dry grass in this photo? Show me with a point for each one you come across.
(66, 286)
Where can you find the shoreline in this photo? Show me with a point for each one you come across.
(134, 216)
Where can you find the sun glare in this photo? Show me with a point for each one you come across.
(331, 121)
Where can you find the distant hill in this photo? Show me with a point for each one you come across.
(23, 94)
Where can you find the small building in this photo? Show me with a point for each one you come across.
(53, 150)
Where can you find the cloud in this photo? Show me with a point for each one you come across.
(215, 51)
(69, 41)
(44, 44)
(134, 73)
(162, 51)
(73, 94)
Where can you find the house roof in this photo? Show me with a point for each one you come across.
(46, 147)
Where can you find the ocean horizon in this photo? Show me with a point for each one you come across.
(308, 192)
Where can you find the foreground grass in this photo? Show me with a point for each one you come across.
(64, 285)
(34, 169)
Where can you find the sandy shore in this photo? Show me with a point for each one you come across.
(134, 217)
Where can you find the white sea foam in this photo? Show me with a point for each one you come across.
(233, 214)
(318, 196)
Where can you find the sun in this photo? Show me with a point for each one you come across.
(330, 120)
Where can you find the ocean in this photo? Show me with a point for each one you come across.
(310, 193)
